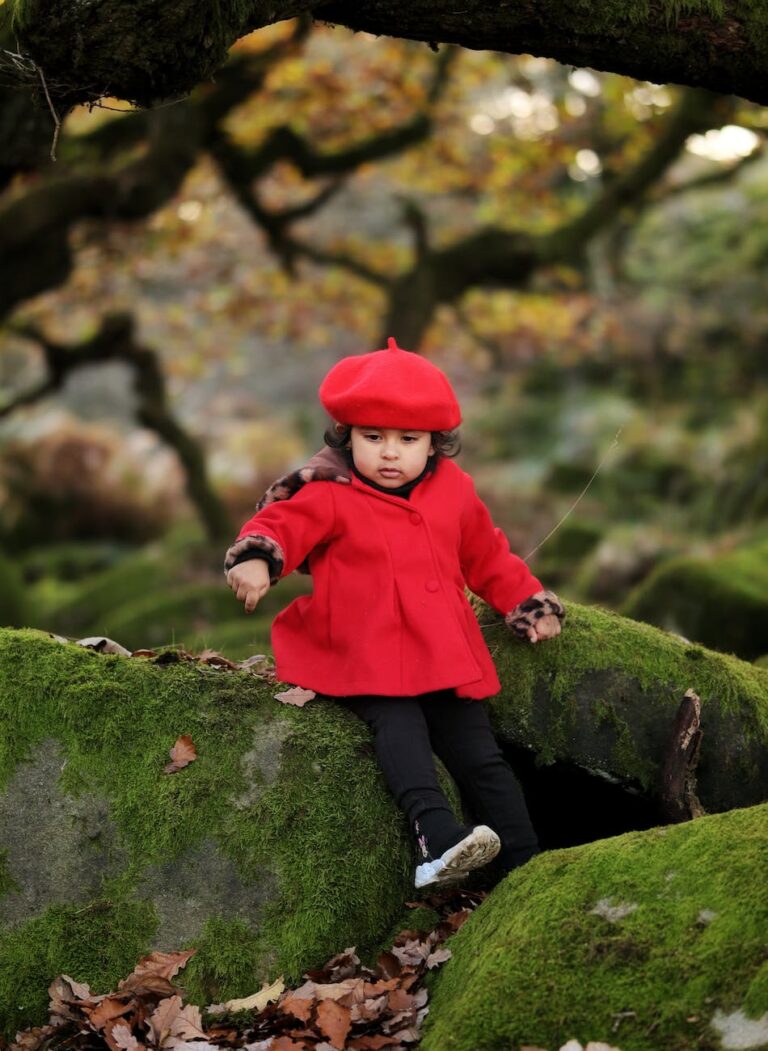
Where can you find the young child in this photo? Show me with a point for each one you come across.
(392, 531)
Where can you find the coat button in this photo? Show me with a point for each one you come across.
(415, 518)
(433, 585)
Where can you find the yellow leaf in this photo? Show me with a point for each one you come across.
(257, 1002)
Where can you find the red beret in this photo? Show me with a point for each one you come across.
(390, 388)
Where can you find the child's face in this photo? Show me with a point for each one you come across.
(388, 456)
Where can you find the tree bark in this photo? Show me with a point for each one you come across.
(115, 342)
(139, 51)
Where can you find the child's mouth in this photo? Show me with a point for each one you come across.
(389, 472)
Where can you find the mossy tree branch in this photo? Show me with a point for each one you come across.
(145, 53)
(115, 341)
(34, 226)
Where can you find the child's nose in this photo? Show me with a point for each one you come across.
(390, 450)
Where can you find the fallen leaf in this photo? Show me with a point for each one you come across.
(170, 1021)
(296, 695)
(374, 1042)
(109, 1008)
(182, 754)
(351, 988)
(32, 1039)
(56, 638)
(333, 1021)
(215, 659)
(101, 644)
(124, 1038)
(256, 1002)
(344, 965)
(144, 653)
(67, 989)
(163, 964)
(437, 957)
(296, 1006)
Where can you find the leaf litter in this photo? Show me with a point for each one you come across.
(342, 1005)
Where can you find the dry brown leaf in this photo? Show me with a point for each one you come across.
(101, 644)
(170, 1021)
(296, 1006)
(182, 754)
(374, 1042)
(144, 653)
(31, 1039)
(256, 1002)
(286, 1043)
(296, 695)
(160, 964)
(68, 990)
(124, 1039)
(109, 1008)
(351, 989)
(333, 1021)
(369, 1010)
(345, 965)
(437, 957)
(216, 660)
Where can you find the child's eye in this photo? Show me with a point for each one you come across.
(372, 437)
(410, 438)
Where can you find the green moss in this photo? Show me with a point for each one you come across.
(536, 966)
(323, 831)
(721, 602)
(100, 943)
(602, 693)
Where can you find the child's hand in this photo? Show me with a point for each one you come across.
(250, 582)
(546, 628)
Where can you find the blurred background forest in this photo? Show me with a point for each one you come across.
(583, 253)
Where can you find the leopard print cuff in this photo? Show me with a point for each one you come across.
(265, 547)
(526, 613)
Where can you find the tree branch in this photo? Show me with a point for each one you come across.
(115, 342)
(144, 52)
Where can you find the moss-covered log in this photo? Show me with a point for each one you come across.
(143, 52)
(721, 601)
(605, 694)
(645, 941)
(277, 846)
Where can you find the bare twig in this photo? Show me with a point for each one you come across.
(54, 114)
(614, 444)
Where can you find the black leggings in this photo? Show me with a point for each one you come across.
(407, 730)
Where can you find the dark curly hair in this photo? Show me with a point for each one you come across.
(445, 443)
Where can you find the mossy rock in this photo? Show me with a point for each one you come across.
(559, 560)
(604, 696)
(277, 847)
(649, 940)
(151, 598)
(721, 602)
(71, 561)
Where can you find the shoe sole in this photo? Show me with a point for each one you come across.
(475, 850)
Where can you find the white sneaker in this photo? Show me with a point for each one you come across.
(480, 846)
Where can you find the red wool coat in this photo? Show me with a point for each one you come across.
(388, 614)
